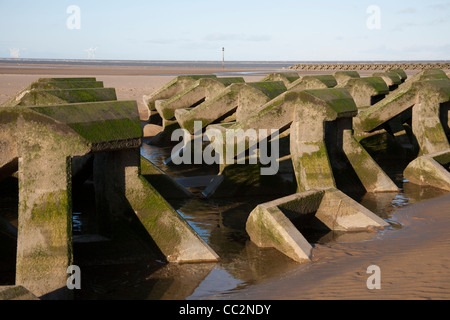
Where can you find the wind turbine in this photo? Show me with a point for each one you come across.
(14, 53)
(91, 52)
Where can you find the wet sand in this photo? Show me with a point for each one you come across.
(414, 260)
(414, 263)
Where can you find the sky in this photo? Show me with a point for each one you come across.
(249, 30)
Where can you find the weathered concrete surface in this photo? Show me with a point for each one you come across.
(173, 236)
(425, 98)
(339, 212)
(162, 182)
(286, 77)
(245, 99)
(271, 224)
(369, 66)
(392, 79)
(401, 73)
(177, 85)
(50, 85)
(62, 96)
(50, 136)
(430, 170)
(366, 91)
(202, 90)
(53, 84)
(373, 178)
(343, 76)
(426, 115)
(313, 82)
(16, 293)
(311, 151)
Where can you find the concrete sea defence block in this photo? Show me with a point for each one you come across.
(165, 185)
(53, 84)
(339, 212)
(343, 76)
(313, 143)
(401, 73)
(392, 79)
(198, 92)
(400, 100)
(426, 115)
(62, 96)
(171, 89)
(49, 85)
(366, 90)
(313, 82)
(373, 178)
(286, 77)
(16, 293)
(271, 224)
(174, 237)
(245, 97)
(430, 170)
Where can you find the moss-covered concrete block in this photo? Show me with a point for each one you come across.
(401, 73)
(365, 90)
(200, 91)
(343, 76)
(174, 87)
(244, 99)
(50, 85)
(271, 224)
(392, 79)
(430, 170)
(311, 151)
(286, 77)
(62, 96)
(426, 115)
(313, 82)
(52, 90)
(162, 182)
(373, 178)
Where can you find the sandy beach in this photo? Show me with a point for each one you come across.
(414, 259)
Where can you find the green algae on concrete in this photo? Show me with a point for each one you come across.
(343, 76)
(270, 224)
(98, 122)
(200, 91)
(62, 96)
(173, 235)
(50, 85)
(310, 150)
(244, 98)
(392, 79)
(44, 84)
(313, 82)
(401, 73)
(286, 77)
(365, 90)
(174, 87)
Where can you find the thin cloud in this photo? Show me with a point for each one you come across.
(407, 11)
(440, 6)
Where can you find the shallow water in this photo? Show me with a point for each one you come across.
(221, 223)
